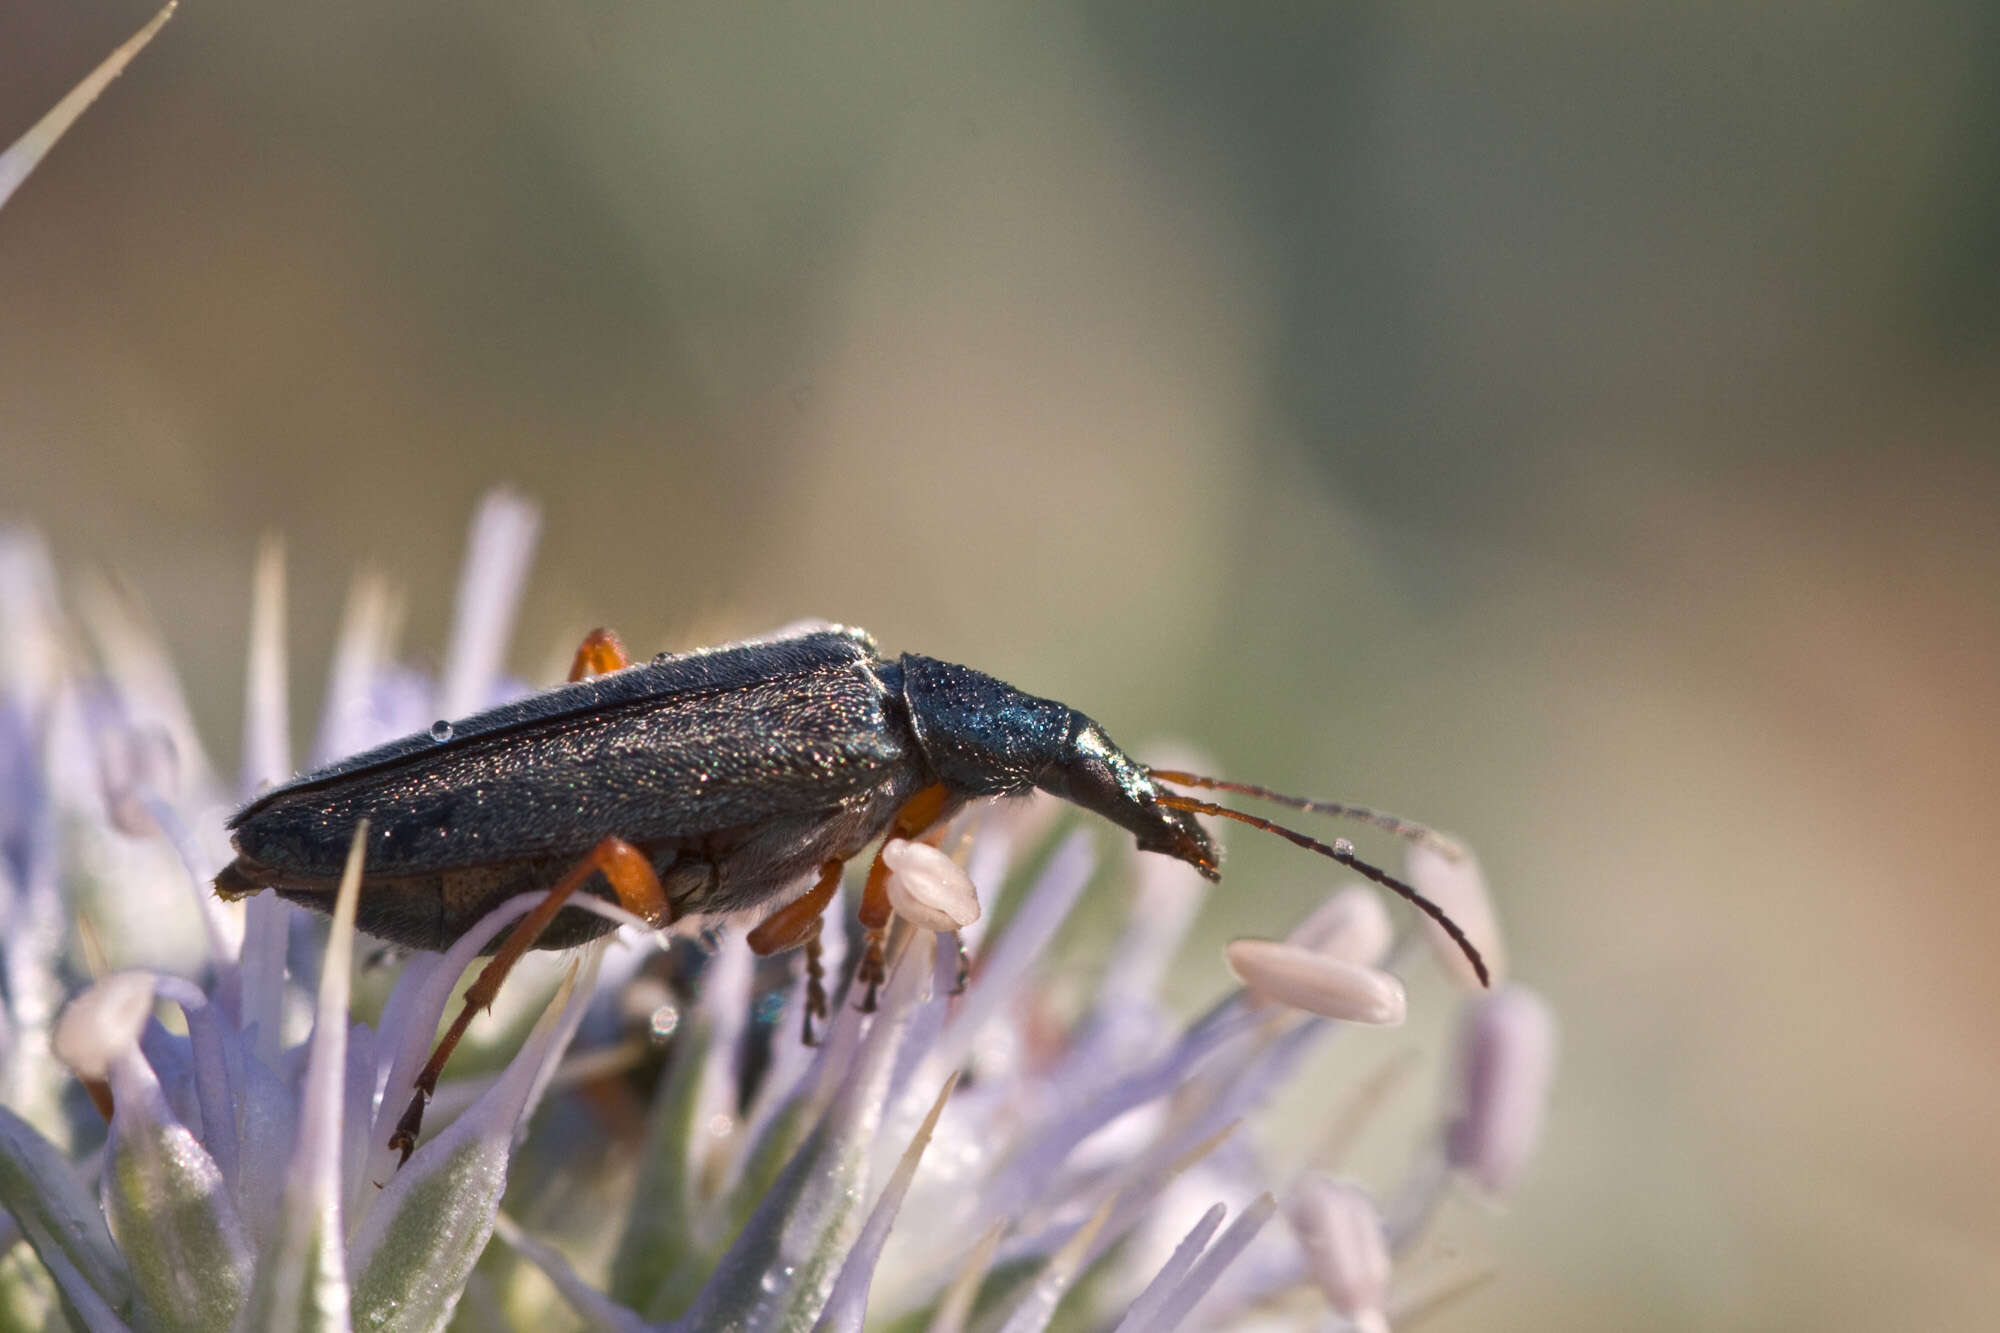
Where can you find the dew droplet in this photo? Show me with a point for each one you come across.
(440, 730)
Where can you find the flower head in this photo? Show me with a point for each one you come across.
(199, 1139)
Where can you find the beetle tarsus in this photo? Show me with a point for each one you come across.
(404, 1141)
(963, 977)
(872, 971)
(815, 1003)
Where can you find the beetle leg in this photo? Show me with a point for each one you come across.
(815, 985)
(963, 977)
(599, 652)
(798, 922)
(925, 811)
(638, 888)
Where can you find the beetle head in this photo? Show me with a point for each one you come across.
(1100, 777)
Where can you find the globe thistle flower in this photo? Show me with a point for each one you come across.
(194, 1122)
(983, 1150)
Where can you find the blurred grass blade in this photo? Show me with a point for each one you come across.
(25, 153)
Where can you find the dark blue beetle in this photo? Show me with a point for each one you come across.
(719, 781)
(736, 771)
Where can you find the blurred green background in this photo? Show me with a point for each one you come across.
(1571, 423)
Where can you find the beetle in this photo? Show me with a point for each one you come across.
(732, 780)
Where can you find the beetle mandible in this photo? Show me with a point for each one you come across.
(723, 781)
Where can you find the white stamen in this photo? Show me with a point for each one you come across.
(928, 888)
(104, 1023)
(1316, 983)
(1458, 888)
(1346, 1249)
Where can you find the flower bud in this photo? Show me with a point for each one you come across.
(104, 1023)
(1459, 890)
(1316, 983)
(1346, 1248)
(1507, 1060)
(1351, 925)
(928, 888)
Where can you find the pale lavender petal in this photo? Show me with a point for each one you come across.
(398, 1022)
(501, 545)
(147, 683)
(1040, 1157)
(211, 1072)
(24, 798)
(302, 1274)
(1007, 829)
(590, 960)
(783, 1265)
(1212, 1264)
(412, 1254)
(791, 1058)
(1144, 1314)
(266, 761)
(126, 766)
(401, 701)
(1005, 968)
(136, 765)
(1352, 924)
(266, 712)
(170, 1209)
(262, 970)
(31, 644)
(954, 1308)
(36, 917)
(416, 1026)
(1241, 1082)
(366, 628)
(906, 1101)
(1166, 895)
(848, 1304)
(267, 1122)
(725, 998)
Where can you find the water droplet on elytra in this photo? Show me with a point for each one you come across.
(440, 730)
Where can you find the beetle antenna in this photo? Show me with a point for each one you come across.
(1407, 829)
(1342, 851)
